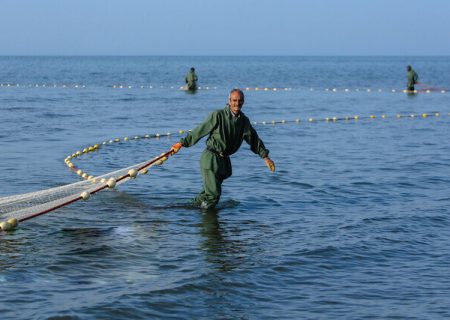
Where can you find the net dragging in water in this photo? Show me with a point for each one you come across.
(26, 206)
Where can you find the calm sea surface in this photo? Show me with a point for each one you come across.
(355, 223)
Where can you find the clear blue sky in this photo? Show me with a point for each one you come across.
(231, 27)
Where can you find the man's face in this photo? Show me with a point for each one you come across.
(236, 102)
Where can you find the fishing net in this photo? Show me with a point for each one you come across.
(26, 206)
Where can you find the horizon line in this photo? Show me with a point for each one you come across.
(224, 55)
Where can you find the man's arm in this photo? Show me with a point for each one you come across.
(195, 135)
(257, 146)
(200, 131)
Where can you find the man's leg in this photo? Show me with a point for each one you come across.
(212, 189)
(192, 86)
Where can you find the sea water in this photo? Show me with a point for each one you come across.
(354, 224)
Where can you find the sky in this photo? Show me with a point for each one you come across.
(231, 27)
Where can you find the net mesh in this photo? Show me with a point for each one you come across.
(29, 205)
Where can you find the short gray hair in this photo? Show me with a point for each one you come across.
(236, 90)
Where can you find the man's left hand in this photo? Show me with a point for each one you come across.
(270, 164)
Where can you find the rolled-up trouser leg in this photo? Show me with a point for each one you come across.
(212, 189)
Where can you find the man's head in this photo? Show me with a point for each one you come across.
(236, 100)
(408, 68)
(192, 69)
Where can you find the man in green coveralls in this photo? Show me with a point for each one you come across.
(413, 77)
(191, 80)
(227, 128)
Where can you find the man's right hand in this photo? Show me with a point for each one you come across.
(176, 147)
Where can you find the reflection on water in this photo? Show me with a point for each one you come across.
(10, 250)
(222, 250)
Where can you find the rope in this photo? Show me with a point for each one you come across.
(95, 147)
(355, 117)
(426, 88)
(111, 183)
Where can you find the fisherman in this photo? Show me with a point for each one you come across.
(227, 128)
(191, 80)
(413, 78)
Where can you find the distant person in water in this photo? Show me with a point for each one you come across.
(413, 78)
(226, 129)
(191, 80)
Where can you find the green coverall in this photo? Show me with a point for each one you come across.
(226, 133)
(191, 80)
(413, 77)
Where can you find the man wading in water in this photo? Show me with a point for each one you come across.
(191, 80)
(413, 78)
(227, 128)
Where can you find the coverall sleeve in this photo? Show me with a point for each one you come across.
(200, 131)
(256, 144)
